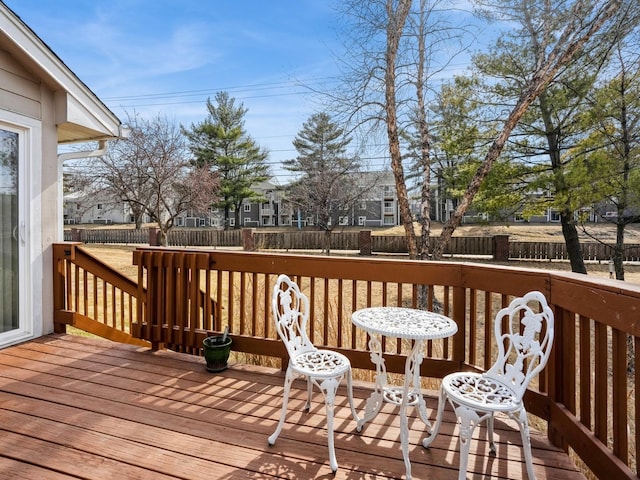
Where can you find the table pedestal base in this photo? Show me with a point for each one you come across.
(410, 394)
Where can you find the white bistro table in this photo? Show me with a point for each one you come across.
(411, 324)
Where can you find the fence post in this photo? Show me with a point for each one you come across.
(76, 235)
(248, 242)
(153, 237)
(501, 248)
(364, 242)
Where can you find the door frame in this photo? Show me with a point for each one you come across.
(30, 271)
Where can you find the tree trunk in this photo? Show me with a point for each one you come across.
(571, 239)
(618, 250)
(569, 230)
(227, 215)
(425, 145)
(395, 25)
(327, 242)
(163, 238)
(138, 213)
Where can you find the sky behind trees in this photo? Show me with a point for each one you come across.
(167, 56)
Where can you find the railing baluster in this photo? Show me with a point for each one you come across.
(339, 313)
(586, 358)
(600, 387)
(619, 395)
(242, 314)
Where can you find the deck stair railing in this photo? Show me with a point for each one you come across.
(586, 394)
(91, 296)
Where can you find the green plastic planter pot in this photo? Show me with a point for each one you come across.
(216, 352)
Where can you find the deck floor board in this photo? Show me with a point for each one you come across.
(73, 407)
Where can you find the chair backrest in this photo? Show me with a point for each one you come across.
(291, 311)
(524, 333)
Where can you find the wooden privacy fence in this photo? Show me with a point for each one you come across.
(365, 242)
(149, 236)
(594, 251)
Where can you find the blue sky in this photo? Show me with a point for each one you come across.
(167, 56)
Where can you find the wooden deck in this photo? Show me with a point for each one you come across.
(72, 407)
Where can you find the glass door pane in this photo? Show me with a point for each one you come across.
(9, 318)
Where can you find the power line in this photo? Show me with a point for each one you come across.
(200, 101)
(239, 88)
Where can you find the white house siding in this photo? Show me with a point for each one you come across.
(42, 100)
(22, 102)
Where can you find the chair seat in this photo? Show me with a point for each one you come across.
(480, 392)
(321, 363)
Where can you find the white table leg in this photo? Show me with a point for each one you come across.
(411, 383)
(376, 399)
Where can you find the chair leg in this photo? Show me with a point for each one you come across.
(354, 414)
(468, 419)
(288, 380)
(433, 431)
(307, 406)
(492, 444)
(329, 387)
(523, 423)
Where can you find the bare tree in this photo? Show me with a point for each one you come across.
(328, 185)
(152, 171)
(561, 36)
(387, 77)
(123, 172)
(397, 17)
(428, 33)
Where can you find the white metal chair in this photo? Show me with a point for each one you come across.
(524, 334)
(324, 368)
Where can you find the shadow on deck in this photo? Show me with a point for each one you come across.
(73, 407)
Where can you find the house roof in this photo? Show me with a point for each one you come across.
(79, 113)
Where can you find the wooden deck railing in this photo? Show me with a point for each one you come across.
(586, 394)
(90, 295)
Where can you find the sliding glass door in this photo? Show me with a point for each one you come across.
(9, 232)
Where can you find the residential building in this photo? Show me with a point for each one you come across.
(378, 207)
(268, 211)
(81, 208)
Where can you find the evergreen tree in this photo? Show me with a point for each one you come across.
(548, 128)
(221, 143)
(607, 161)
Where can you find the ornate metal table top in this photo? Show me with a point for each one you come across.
(402, 322)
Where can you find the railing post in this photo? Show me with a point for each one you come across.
(58, 285)
(364, 242)
(61, 253)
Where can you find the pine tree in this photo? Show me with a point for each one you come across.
(221, 143)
